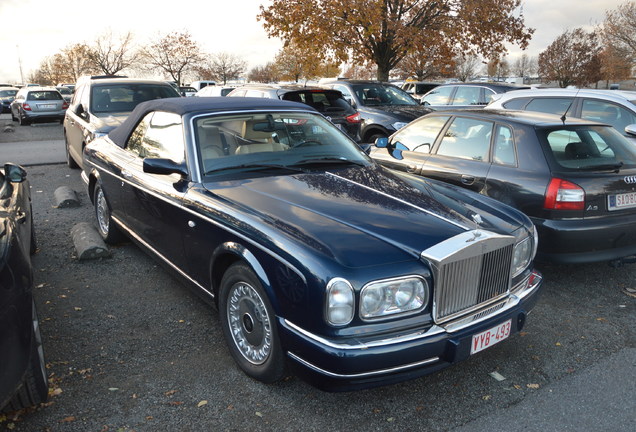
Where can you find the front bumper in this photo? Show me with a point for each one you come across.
(336, 366)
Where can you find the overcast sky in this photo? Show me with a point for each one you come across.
(34, 29)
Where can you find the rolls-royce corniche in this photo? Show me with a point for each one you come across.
(315, 256)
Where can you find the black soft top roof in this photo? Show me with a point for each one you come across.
(196, 105)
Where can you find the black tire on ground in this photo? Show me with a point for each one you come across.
(22, 121)
(69, 159)
(35, 385)
(249, 325)
(105, 225)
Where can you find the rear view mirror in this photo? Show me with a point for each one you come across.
(164, 166)
(630, 129)
(14, 173)
(382, 142)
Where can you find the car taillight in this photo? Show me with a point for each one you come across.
(65, 105)
(564, 195)
(26, 107)
(354, 118)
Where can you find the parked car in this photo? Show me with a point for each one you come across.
(7, 95)
(384, 108)
(462, 95)
(23, 378)
(575, 179)
(313, 254)
(100, 103)
(614, 107)
(198, 85)
(66, 93)
(417, 89)
(329, 103)
(187, 91)
(38, 104)
(215, 91)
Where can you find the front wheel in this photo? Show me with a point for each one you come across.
(249, 326)
(34, 388)
(107, 229)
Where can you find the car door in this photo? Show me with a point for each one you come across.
(153, 202)
(75, 124)
(419, 138)
(462, 154)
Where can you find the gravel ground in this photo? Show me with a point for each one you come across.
(130, 349)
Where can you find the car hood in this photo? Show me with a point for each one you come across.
(104, 123)
(401, 112)
(358, 216)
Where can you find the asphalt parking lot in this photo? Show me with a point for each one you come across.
(130, 349)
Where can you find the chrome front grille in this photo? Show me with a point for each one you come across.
(470, 271)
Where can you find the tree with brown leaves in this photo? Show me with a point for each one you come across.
(385, 31)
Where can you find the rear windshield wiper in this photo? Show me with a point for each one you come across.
(257, 166)
(602, 167)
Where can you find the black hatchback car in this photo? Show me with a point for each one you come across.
(23, 379)
(384, 108)
(575, 179)
(329, 103)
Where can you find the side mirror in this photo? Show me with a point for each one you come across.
(164, 166)
(630, 129)
(14, 173)
(382, 142)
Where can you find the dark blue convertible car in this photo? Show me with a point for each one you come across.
(315, 256)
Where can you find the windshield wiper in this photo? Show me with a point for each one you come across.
(328, 160)
(257, 166)
(613, 167)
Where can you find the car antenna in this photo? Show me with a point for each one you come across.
(563, 117)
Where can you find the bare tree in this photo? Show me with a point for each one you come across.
(572, 59)
(111, 57)
(524, 66)
(174, 55)
(222, 67)
(466, 66)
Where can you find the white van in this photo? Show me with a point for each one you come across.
(200, 84)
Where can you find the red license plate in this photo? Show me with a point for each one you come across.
(486, 339)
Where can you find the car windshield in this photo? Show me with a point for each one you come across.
(589, 148)
(378, 94)
(8, 93)
(125, 97)
(249, 141)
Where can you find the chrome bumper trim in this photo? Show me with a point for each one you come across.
(363, 374)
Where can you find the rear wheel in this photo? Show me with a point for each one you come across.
(34, 388)
(107, 229)
(22, 121)
(249, 326)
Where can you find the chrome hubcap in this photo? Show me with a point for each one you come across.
(249, 323)
(102, 212)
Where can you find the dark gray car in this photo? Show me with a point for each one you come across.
(100, 104)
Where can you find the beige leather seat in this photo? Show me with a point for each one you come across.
(261, 141)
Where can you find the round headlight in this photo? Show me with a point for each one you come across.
(372, 301)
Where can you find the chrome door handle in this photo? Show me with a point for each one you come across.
(126, 174)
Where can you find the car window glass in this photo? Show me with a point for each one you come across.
(488, 95)
(382, 94)
(420, 136)
(125, 97)
(438, 96)
(504, 149)
(516, 104)
(589, 147)
(164, 137)
(467, 95)
(467, 138)
(550, 105)
(44, 95)
(607, 112)
(133, 145)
